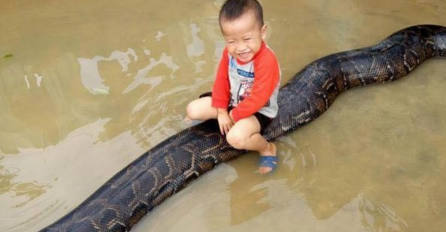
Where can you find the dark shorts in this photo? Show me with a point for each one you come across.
(264, 121)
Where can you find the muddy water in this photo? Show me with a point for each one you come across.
(86, 87)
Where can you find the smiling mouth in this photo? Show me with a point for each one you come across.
(244, 54)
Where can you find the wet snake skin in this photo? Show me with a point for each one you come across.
(168, 167)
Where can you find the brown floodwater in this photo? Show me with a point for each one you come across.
(88, 86)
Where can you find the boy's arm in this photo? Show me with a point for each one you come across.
(221, 94)
(221, 88)
(267, 77)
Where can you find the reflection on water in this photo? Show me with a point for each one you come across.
(379, 217)
(91, 86)
(90, 76)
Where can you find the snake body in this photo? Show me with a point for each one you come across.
(168, 167)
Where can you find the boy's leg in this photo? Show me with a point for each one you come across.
(245, 135)
(201, 109)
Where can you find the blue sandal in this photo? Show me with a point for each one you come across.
(268, 161)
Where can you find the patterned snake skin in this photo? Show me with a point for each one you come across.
(171, 165)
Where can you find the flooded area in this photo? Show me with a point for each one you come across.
(87, 87)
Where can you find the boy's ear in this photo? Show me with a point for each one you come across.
(263, 31)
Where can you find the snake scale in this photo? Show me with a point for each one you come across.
(168, 167)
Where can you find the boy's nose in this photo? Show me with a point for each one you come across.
(241, 47)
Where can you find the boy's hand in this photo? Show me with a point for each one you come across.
(224, 121)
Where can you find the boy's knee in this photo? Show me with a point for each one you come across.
(236, 139)
(201, 109)
(192, 111)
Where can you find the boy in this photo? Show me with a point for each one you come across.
(244, 95)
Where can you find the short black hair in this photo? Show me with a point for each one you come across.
(233, 9)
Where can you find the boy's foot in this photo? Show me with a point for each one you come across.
(268, 159)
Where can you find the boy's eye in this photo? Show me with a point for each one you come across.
(247, 39)
(231, 42)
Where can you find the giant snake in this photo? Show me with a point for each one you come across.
(168, 167)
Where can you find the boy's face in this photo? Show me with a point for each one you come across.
(243, 36)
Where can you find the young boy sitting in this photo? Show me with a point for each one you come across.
(244, 95)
